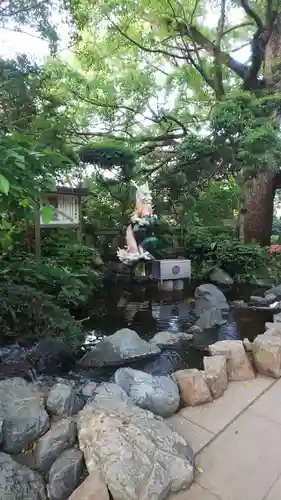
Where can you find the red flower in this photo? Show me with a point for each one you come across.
(274, 249)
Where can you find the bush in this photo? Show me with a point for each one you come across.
(29, 313)
(209, 247)
(244, 262)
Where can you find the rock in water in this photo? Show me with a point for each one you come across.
(52, 354)
(65, 474)
(221, 277)
(117, 349)
(63, 401)
(18, 482)
(23, 414)
(208, 296)
(60, 437)
(275, 290)
(168, 362)
(139, 455)
(159, 394)
(210, 318)
(167, 338)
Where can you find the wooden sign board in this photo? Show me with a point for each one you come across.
(66, 211)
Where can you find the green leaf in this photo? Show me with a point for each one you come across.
(4, 185)
(47, 214)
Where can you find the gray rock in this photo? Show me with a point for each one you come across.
(195, 329)
(210, 318)
(158, 394)
(262, 282)
(275, 290)
(208, 296)
(65, 474)
(18, 482)
(165, 364)
(270, 298)
(23, 415)
(1, 431)
(139, 454)
(110, 390)
(123, 346)
(87, 390)
(63, 401)
(221, 277)
(52, 354)
(258, 301)
(277, 318)
(167, 338)
(60, 437)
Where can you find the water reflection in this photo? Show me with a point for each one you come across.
(149, 315)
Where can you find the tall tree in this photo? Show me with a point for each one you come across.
(154, 71)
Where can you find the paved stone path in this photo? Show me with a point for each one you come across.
(237, 441)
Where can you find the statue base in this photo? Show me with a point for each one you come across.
(170, 285)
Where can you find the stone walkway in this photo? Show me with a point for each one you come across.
(237, 441)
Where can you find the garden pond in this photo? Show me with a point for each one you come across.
(146, 311)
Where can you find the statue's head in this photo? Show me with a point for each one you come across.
(143, 194)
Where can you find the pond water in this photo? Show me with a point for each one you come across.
(147, 312)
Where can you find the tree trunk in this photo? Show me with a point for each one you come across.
(258, 202)
(259, 193)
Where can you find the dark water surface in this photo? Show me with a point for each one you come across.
(147, 311)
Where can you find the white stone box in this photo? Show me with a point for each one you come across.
(171, 269)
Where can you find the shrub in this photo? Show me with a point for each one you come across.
(29, 313)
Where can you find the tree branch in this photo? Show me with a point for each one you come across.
(166, 138)
(142, 47)
(251, 13)
(220, 33)
(222, 56)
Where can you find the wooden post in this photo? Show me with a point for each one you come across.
(37, 237)
(80, 227)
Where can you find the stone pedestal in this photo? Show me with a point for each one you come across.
(170, 285)
(166, 286)
(178, 285)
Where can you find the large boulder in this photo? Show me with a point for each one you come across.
(210, 318)
(266, 351)
(117, 349)
(167, 338)
(61, 436)
(221, 277)
(65, 474)
(238, 364)
(93, 487)
(111, 390)
(165, 364)
(192, 386)
(139, 455)
(52, 355)
(23, 414)
(63, 401)
(18, 482)
(159, 394)
(207, 297)
(275, 290)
